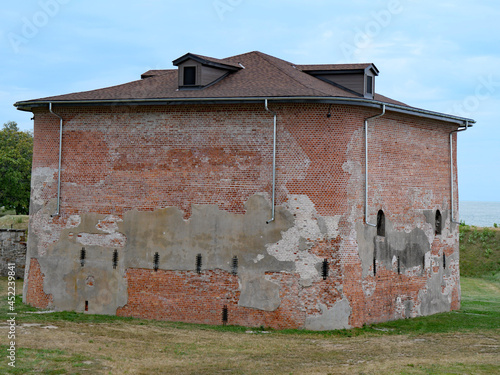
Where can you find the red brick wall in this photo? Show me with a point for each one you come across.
(215, 155)
(153, 157)
(199, 298)
(35, 295)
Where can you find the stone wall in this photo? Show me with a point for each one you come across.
(12, 250)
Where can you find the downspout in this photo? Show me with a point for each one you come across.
(452, 177)
(60, 156)
(274, 163)
(366, 164)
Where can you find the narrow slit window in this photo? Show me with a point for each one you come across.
(86, 305)
(198, 263)
(444, 260)
(374, 266)
(399, 265)
(82, 256)
(189, 75)
(324, 269)
(234, 266)
(438, 222)
(156, 261)
(381, 223)
(224, 315)
(115, 259)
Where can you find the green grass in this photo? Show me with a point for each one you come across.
(9, 221)
(480, 310)
(479, 252)
(456, 368)
(48, 361)
(474, 329)
(4, 212)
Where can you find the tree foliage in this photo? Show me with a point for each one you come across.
(16, 153)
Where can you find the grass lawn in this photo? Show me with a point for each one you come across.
(460, 342)
(14, 221)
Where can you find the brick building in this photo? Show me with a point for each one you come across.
(245, 190)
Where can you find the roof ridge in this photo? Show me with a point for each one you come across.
(263, 56)
(214, 59)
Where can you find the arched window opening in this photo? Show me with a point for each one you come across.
(438, 223)
(380, 223)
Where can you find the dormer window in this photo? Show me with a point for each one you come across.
(189, 75)
(359, 79)
(369, 84)
(197, 72)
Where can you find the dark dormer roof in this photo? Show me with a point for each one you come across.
(208, 61)
(338, 68)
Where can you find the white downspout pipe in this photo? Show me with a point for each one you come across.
(274, 163)
(452, 176)
(366, 163)
(60, 156)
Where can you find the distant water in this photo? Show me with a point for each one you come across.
(480, 214)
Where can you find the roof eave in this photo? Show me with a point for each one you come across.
(29, 105)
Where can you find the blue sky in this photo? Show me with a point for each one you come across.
(438, 55)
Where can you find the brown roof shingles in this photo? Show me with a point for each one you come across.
(262, 76)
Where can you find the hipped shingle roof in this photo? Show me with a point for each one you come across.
(261, 75)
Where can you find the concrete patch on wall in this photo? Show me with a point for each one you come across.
(41, 177)
(431, 299)
(216, 235)
(42, 231)
(85, 250)
(336, 317)
(259, 293)
(83, 257)
(109, 224)
(407, 249)
(369, 286)
(105, 240)
(443, 284)
(299, 239)
(403, 307)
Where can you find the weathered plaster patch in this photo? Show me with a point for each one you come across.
(104, 240)
(337, 317)
(40, 178)
(410, 248)
(42, 232)
(369, 285)
(403, 306)
(258, 258)
(259, 293)
(216, 235)
(296, 241)
(109, 224)
(73, 221)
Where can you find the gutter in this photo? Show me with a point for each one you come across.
(274, 164)
(452, 177)
(366, 163)
(60, 156)
(28, 105)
